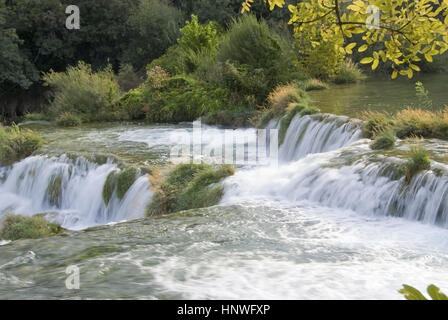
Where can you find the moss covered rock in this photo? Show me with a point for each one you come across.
(15, 227)
(189, 186)
(109, 187)
(125, 179)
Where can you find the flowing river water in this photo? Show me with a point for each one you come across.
(334, 220)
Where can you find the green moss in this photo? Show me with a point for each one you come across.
(125, 179)
(15, 227)
(285, 121)
(419, 161)
(189, 186)
(384, 141)
(308, 111)
(54, 190)
(109, 187)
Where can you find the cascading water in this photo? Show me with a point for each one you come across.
(70, 191)
(317, 134)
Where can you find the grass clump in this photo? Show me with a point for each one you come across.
(422, 123)
(314, 84)
(375, 123)
(16, 227)
(349, 73)
(384, 141)
(419, 160)
(68, 119)
(109, 187)
(189, 186)
(17, 144)
(125, 179)
(36, 116)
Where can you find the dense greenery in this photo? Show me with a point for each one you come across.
(16, 227)
(16, 144)
(189, 186)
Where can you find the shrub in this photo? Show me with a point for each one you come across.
(349, 73)
(36, 117)
(314, 84)
(127, 78)
(252, 43)
(419, 161)
(83, 92)
(132, 105)
(156, 77)
(17, 144)
(189, 186)
(15, 227)
(125, 180)
(384, 141)
(280, 98)
(68, 119)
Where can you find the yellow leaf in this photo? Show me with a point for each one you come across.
(366, 60)
(350, 47)
(394, 74)
(415, 67)
(375, 64)
(410, 73)
(428, 58)
(363, 48)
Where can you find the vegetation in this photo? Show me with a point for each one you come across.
(313, 84)
(15, 227)
(418, 161)
(109, 187)
(349, 73)
(17, 144)
(399, 36)
(189, 186)
(68, 119)
(54, 190)
(384, 141)
(125, 180)
(411, 293)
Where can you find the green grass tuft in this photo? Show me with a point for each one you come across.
(15, 227)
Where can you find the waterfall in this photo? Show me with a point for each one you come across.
(316, 134)
(70, 191)
(366, 186)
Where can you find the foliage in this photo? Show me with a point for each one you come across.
(17, 144)
(313, 84)
(155, 27)
(349, 73)
(36, 117)
(281, 97)
(189, 186)
(132, 105)
(419, 161)
(385, 140)
(411, 293)
(407, 31)
(376, 123)
(127, 78)
(82, 91)
(15, 227)
(229, 118)
(422, 123)
(156, 77)
(68, 119)
(125, 180)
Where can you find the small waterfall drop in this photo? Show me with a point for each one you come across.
(70, 190)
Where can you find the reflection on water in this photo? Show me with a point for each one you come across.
(380, 94)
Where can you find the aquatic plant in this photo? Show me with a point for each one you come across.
(125, 179)
(349, 73)
(375, 123)
(314, 84)
(418, 161)
(109, 186)
(15, 227)
(383, 141)
(189, 186)
(411, 293)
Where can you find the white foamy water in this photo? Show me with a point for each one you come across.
(78, 202)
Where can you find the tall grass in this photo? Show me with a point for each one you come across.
(349, 73)
(17, 144)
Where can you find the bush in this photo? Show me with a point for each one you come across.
(125, 180)
(252, 43)
(281, 97)
(314, 84)
(15, 227)
(36, 117)
(384, 141)
(17, 144)
(132, 105)
(68, 119)
(349, 73)
(375, 123)
(83, 92)
(189, 186)
(419, 161)
(127, 78)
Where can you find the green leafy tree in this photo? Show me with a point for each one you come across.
(406, 32)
